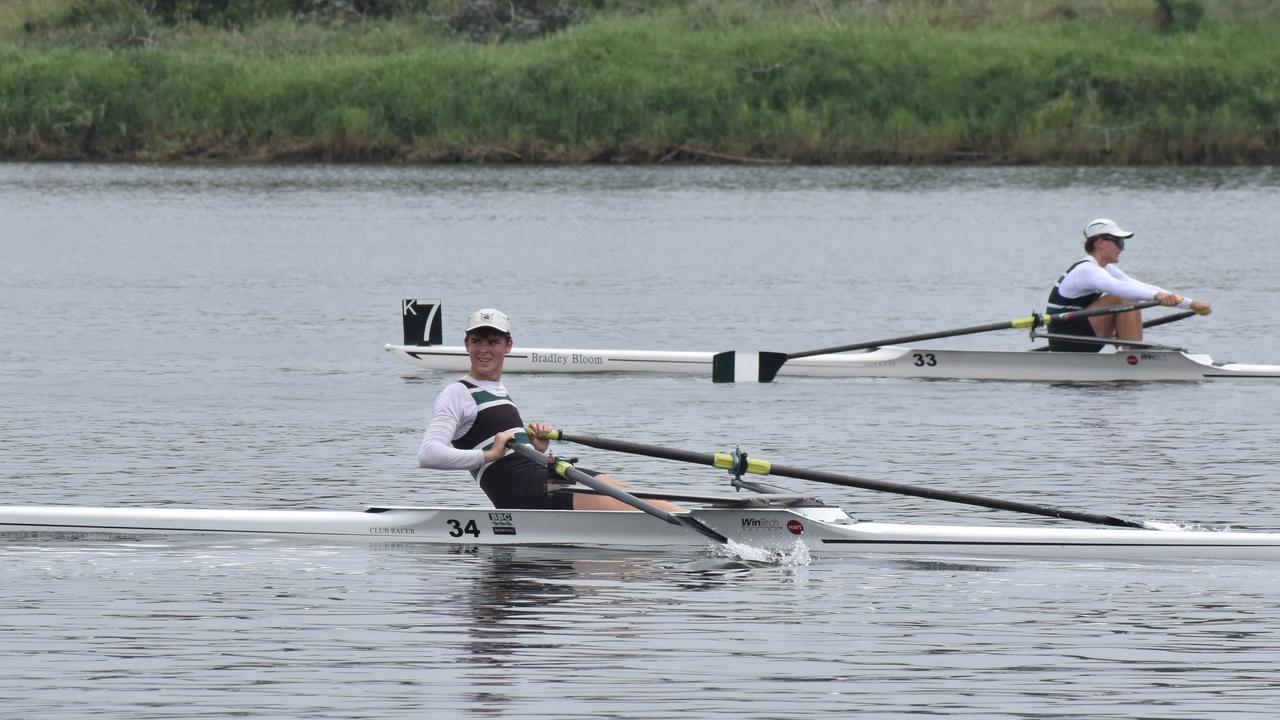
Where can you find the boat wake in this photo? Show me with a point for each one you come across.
(794, 556)
(1189, 527)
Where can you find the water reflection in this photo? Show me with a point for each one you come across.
(948, 566)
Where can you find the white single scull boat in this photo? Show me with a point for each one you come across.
(763, 517)
(821, 528)
(422, 349)
(883, 362)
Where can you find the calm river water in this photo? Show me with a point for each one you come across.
(212, 337)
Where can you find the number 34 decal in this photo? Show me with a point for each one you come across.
(457, 529)
(923, 359)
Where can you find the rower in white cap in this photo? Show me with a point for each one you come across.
(1096, 282)
(473, 420)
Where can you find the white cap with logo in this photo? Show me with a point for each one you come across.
(1103, 226)
(490, 318)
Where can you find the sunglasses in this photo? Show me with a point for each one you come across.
(1118, 241)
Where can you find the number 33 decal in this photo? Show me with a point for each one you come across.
(923, 359)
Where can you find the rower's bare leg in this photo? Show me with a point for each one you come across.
(1104, 326)
(582, 501)
(1129, 325)
(1122, 326)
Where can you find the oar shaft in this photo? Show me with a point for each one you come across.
(570, 472)
(724, 367)
(724, 461)
(1023, 322)
(1033, 320)
(762, 467)
(948, 496)
(635, 448)
(1110, 310)
(614, 492)
(1175, 317)
(1147, 324)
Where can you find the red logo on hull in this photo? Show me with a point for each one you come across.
(1132, 359)
(795, 527)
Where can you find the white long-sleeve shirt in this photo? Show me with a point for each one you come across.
(1089, 277)
(452, 415)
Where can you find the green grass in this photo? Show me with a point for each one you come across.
(809, 82)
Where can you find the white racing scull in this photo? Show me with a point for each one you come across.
(763, 517)
(822, 529)
(883, 362)
(422, 349)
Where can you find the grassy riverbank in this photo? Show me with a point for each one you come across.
(809, 82)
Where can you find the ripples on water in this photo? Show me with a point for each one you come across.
(272, 629)
(211, 337)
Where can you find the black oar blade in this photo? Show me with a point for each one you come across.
(723, 366)
(770, 364)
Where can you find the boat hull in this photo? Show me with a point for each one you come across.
(561, 360)
(925, 363)
(885, 362)
(821, 529)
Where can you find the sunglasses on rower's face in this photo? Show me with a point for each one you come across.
(1118, 241)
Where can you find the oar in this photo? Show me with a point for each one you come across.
(1175, 317)
(569, 472)
(764, 366)
(726, 461)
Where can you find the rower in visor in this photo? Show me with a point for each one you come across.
(1096, 281)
